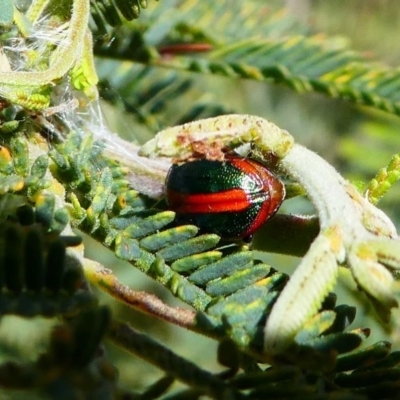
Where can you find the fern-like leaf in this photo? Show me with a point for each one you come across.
(303, 63)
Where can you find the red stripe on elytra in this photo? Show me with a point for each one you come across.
(233, 200)
(257, 171)
(268, 209)
(247, 166)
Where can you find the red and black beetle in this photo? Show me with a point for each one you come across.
(231, 198)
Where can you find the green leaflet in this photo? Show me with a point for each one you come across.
(368, 357)
(195, 261)
(162, 239)
(238, 280)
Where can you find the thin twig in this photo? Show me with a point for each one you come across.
(155, 353)
(139, 300)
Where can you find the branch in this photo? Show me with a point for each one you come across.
(141, 301)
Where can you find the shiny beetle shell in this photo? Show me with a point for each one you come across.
(232, 198)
